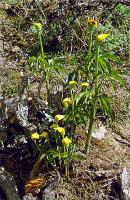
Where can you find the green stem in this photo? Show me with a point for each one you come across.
(96, 68)
(88, 56)
(93, 109)
(46, 73)
(41, 46)
(90, 41)
(72, 100)
(47, 88)
(89, 135)
(66, 165)
(72, 112)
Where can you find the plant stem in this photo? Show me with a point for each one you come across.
(89, 135)
(48, 89)
(72, 100)
(93, 108)
(66, 165)
(72, 112)
(96, 68)
(90, 41)
(45, 70)
(88, 56)
(41, 46)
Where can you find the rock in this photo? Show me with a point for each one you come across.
(3, 134)
(17, 110)
(29, 196)
(22, 114)
(8, 185)
(50, 192)
(125, 184)
(129, 109)
(48, 195)
(99, 133)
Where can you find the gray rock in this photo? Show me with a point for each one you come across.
(29, 196)
(48, 195)
(50, 192)
(125, 184)
(8, 184)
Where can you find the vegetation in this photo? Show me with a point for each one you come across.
(87, 56)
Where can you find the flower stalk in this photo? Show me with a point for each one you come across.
(93, 106)
(90, 41)
(38, 28)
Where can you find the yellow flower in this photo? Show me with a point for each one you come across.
(35, 136)
(66, 141)
(92, 22)
(102, 37)
(60, 130)
(58, 118)
(66, 102)
(37, 26)
(53, 126)
(72, 83)
(44, 135)
(84, 84)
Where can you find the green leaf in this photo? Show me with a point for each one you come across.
(105, 65)
(42, 156)
(110, 57)
(57, 68)
(105, 104)
(85, 94)
(114, 75)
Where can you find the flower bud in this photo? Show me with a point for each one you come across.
(92, 22)
(58, 118)
(66, 102)
(72, 84)
(84, 84)
(37, 26)
(66, 141)
(44, 135)
(61, 130)
(35, 136)
(102, 37)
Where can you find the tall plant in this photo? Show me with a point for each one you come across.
(99, 75)
(44, 66)
(102, 75)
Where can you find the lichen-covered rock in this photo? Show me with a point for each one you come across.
(50, 192)
(29, 196)
(48, 195)
(7, 183)
(125, 184)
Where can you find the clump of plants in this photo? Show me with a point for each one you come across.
(87, 93)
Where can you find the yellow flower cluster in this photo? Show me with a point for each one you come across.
(56, 127)
(92, 22)
(36, 136)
